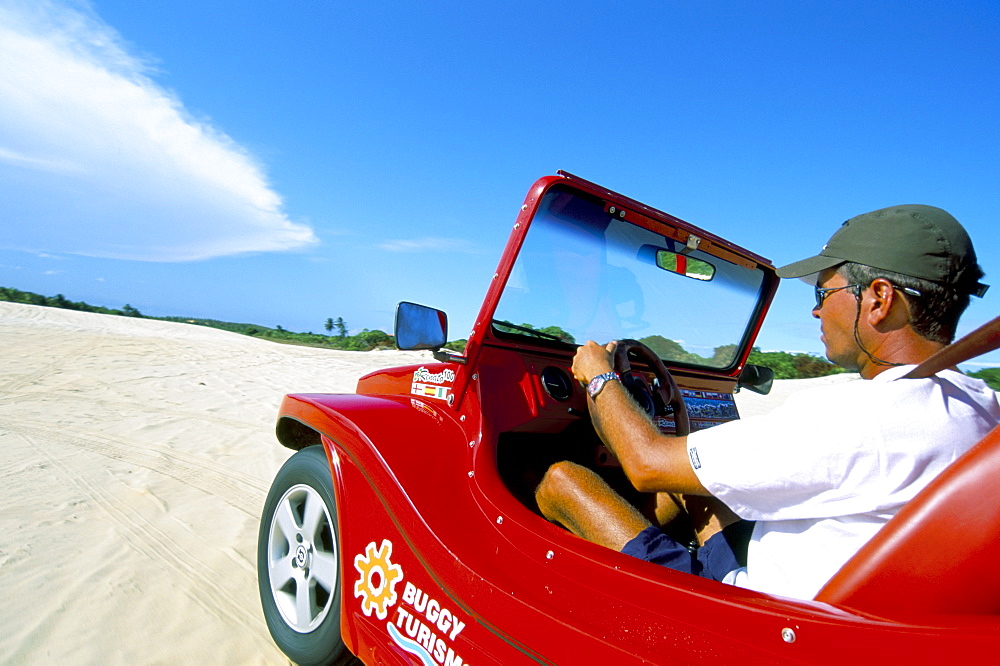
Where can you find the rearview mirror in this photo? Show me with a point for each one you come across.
(756, 378)
(684, 265)
(420, 327)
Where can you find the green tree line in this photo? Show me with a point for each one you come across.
(60, 301)
(801, 366)
(793, 366)
(784, 364)
(364, 341)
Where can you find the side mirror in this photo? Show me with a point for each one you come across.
(420, 327)
(756, 378)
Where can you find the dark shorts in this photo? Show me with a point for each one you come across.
(722, 553)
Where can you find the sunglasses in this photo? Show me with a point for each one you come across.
(822, 293)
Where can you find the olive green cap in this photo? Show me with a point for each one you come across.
(920, 241)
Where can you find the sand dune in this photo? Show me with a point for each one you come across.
(135, 456)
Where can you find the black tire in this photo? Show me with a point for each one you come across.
(297, 547)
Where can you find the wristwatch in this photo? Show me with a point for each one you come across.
(597, 383)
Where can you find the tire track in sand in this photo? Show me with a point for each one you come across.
(146, 538)
(241, 491)
(53, 366)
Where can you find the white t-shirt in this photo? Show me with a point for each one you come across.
(823, 472)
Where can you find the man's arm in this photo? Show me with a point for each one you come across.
(653, 462)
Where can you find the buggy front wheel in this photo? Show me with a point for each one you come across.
(298, 563)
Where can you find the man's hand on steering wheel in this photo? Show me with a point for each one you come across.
(665, 388)
(593, 359)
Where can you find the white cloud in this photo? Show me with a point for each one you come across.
(97, 159)
(453, 245)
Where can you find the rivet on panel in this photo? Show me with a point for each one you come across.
(499, 520)
(788, 635)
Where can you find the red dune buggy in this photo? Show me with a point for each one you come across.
(404, 529)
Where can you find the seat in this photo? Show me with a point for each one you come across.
(940, 553)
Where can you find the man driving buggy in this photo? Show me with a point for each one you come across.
(788, 497)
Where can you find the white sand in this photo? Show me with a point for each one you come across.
(751, 404)
(135, 456)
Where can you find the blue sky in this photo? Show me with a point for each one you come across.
(284, 162)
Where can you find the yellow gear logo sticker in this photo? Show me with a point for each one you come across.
(377, 584)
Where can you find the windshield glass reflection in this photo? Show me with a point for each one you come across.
(583, 274)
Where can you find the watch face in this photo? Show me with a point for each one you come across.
(597, 383)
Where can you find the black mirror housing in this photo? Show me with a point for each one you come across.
(756, 378)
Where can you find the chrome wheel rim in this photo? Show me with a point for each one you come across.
(302, 558)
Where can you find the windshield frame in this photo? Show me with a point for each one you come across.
(641, 216)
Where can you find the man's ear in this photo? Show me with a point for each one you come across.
(882, 296)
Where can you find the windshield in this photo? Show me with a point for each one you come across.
(584, 274)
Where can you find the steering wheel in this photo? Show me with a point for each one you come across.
(666, 393)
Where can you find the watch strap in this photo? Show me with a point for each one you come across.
(596, 384)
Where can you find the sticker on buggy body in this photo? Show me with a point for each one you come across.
(417, 622)
(428, 384)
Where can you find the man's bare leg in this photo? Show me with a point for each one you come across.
(668, 507)
(581, 501)
(708, 516)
